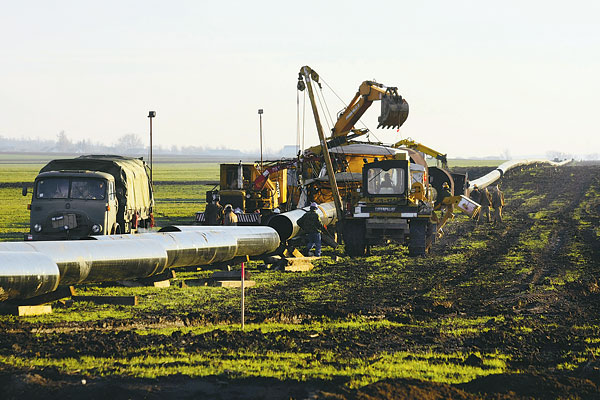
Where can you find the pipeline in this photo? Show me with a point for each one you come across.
(31, 269)
(286, 224)
(496, 174)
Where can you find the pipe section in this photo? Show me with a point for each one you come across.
(204, 245)
(286, 224)
(25, 274)
(29, 269)
(86, 261)
(496, 174)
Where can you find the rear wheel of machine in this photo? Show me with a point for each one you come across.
(418, 233)
(354, 238)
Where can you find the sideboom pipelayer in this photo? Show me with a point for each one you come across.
(386, 192)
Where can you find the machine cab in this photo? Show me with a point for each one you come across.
(386, 178)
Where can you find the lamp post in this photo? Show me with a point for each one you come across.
(260, 113)
(151, 114)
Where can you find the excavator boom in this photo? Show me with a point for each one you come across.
(394, 109)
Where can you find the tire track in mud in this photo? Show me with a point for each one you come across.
(560, 196)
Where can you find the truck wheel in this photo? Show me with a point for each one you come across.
(418, 235)
(354, 238)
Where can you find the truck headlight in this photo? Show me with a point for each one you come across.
(96, 228)
(37, 228)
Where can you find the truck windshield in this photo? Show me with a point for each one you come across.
(389, 181)
(74, 188)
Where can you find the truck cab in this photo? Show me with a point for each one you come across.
(72, 205)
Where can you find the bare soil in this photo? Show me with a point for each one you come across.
(536, 273)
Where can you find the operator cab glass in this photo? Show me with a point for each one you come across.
(53, 188)
(390, 181)
(74, 188)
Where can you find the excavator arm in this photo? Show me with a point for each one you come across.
(411, 144)
(394, 109)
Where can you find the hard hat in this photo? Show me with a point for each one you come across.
(276, 211)
(474, 186)
(445, 185)
(313, 205)
(228, 207)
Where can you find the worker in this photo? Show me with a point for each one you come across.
(475, 195)
(444, 193)
(229, 217)
(497, 204)
(213, 214)
(311, 224)
(387, 181)
(485, 201)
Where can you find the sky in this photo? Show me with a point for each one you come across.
(482, 78)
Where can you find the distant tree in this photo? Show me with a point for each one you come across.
(129, 142)
(505, 155)
(63, 143)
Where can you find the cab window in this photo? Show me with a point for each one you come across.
(74, 188)
(88, 189)
(52, 188)
(391, 181)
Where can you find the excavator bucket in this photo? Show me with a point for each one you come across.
(394, 111)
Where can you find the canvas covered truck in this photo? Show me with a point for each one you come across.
(90, 195)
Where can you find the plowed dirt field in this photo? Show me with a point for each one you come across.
(494, 312)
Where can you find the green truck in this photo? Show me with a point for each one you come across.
(90, 195)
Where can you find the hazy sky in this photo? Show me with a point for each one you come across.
(481, 77)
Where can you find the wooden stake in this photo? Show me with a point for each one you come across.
(243, 278)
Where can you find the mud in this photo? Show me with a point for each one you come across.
(533, 281)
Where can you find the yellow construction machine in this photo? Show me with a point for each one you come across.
(252, 191)
(380, 192)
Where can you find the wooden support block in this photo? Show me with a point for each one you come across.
(120, 300)
(23, 311)
(301, 264)
(162, 284)
(293, 253)
(233, 284)
(230, 275)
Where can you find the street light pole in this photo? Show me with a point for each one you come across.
(151, 114)
(260, 113)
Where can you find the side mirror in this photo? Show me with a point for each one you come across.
(24, 192)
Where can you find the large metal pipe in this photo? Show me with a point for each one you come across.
(204, 245)
(496, 174)
(196, 245)
(85, 261)
(26, 274)
(30, 269)
(286, 224)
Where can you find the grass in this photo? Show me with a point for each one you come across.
(387, 272)
(298, 366)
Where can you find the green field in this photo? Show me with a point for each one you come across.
(488, 302)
